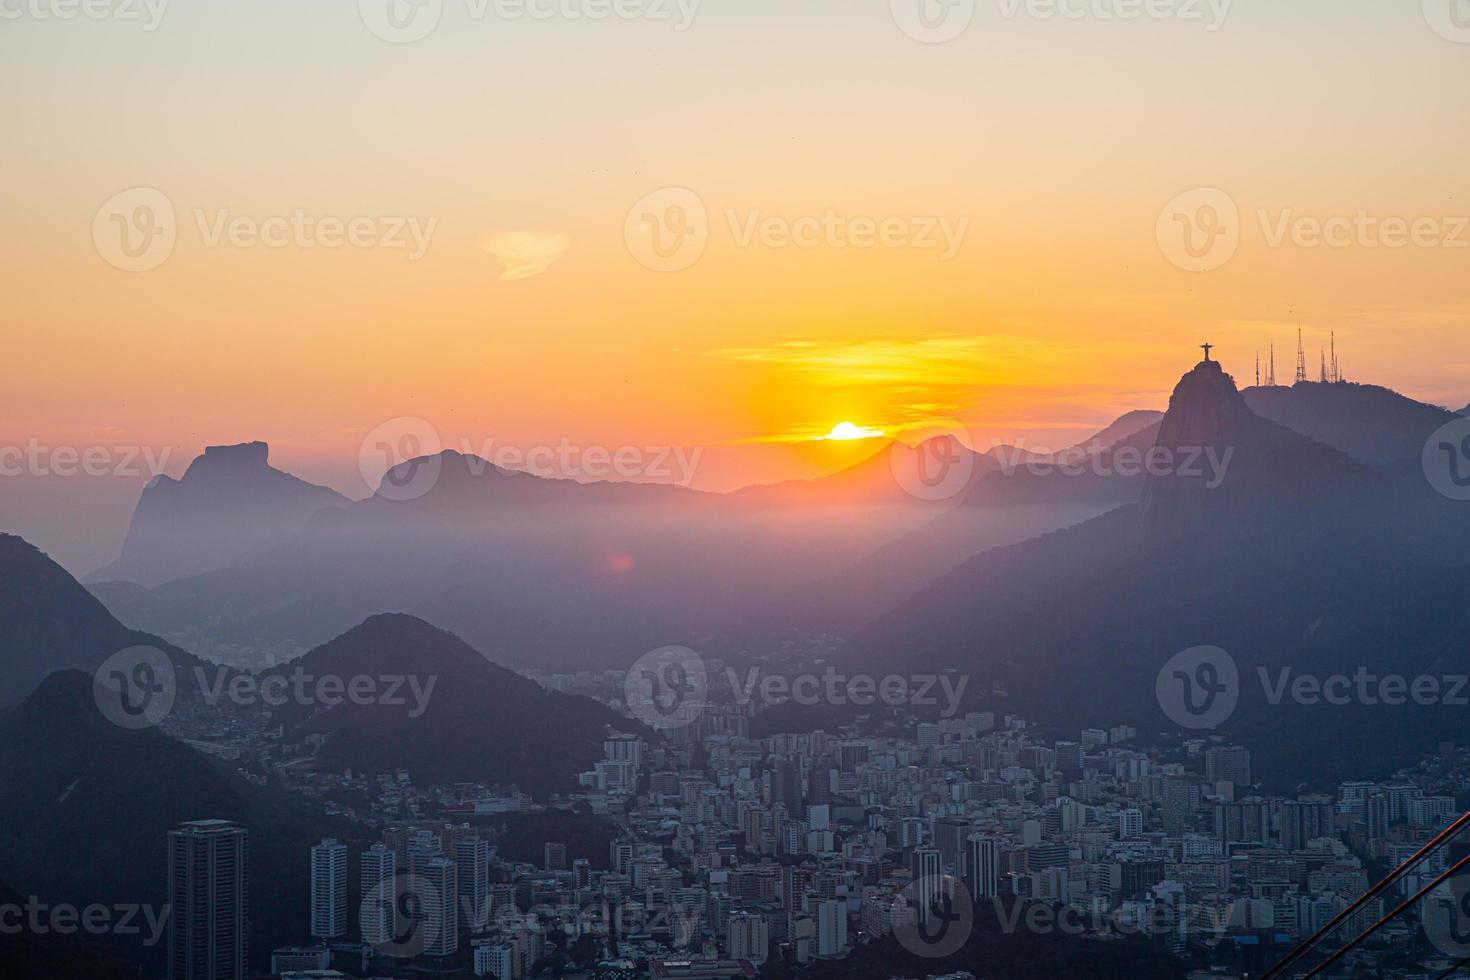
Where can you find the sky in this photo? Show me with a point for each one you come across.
(725, 225)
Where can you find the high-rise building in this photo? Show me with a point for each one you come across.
(950, 835)
(621, 856)
(750, 937)
(378, 916)
(928, 880)
(556, 856)
(208, 894)
(832, 928)
(329, 889)
(472, 872)
(582, 873)
(441, 935)
(1228, 763)
(495, 961)
(984, 865)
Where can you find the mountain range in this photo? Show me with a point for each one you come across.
(453, 717)
(228, 502)
(86, 806)
(1301, 558)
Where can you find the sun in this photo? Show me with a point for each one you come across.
(848, 432)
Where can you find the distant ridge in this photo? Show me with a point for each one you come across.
(49, 622)
(229, 501)
(479, 721)
(1370, 423)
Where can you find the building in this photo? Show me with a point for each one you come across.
(1228, 764)
(440, 932)
(750, 937)
(377, 916)
(928, 876)
(832, 928)
(984, 864)
(329, 890)
(208, 895)
(950, 837)
(495, 961)
(556, 857)
(472, 872)
(310, 960)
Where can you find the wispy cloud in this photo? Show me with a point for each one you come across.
(526, 253)
(918, 365)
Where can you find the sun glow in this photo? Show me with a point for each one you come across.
(847, 432)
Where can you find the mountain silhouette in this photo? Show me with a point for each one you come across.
(49, 622)
(1300, 557)
(229, 501)
(1370, 423)
(463, 718)
(85, 808)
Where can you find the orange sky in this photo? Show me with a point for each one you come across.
(530, 320)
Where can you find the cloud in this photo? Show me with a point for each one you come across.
(526, 253)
